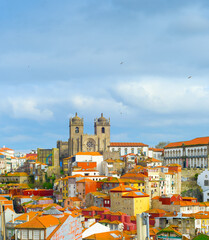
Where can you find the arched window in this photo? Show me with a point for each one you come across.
(103, 130)
(77, 130)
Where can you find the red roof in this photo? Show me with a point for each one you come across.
(135, 194)
(89, 153)
(156, 149)
(195, 141)
(123, 189)
(127, 144)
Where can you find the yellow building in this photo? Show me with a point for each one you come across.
(48, 156)
(135, 202)
(138, 184)
(128, 200)
(201, 222)
(65, 188)
(67, 165)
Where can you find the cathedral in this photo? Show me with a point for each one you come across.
(80, 142)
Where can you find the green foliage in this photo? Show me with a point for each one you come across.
(48, 185)
(162, 144)
(31, 179)
(31, 185)
(196, 176)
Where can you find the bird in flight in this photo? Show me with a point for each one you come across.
(189, 77)
(121, 62)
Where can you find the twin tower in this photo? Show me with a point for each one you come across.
(80, 142)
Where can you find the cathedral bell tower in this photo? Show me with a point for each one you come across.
(76, 133)
(102, 131)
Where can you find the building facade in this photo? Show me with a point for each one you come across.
(48, 156)
(189, 154)
(125, 148)
(81, 142)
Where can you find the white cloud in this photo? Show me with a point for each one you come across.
(29, 109)
(164, 96)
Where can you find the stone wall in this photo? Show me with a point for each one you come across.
(111, 155)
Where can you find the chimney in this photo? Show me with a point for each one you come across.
(28, 218)
(13, 219)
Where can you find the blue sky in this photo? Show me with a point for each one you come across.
(62, 57)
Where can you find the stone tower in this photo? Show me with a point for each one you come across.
(80, 142)
(102, 131)
(76, 133)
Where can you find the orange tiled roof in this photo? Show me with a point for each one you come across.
(113, 235)
(40, 222)
(94, 208)
(185, 203)
(85, 180)
(133, 175)
(74, 199)
(90, 170)
(193, 142)
(123, 189)
(191, 198)
(24, 216)
(89, 153)
(156, 210)
(17, 174)
(156, 149)
(3, 199)
(7, 149)
(153, 231)
(127, 144)
(135, 194)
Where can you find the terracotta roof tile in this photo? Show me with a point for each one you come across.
(127, 144)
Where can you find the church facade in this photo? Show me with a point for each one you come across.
(80, 142)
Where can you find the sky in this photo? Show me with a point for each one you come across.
(143, 63)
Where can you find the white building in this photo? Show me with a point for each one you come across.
(85, 172)
(125, 148)
(93, 227)
(89, 157)
(203, 182)
(193, 153)
(8, 152)
(156, 153)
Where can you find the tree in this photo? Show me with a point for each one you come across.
(162, 144)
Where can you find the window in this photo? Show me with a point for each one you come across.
(132, 150)
(24, 234)
(126, 151)
(42, 234)
(30, 234)
(77, 130)
(206, 182)
(103, 130)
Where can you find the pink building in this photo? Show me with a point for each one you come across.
(72, 202)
